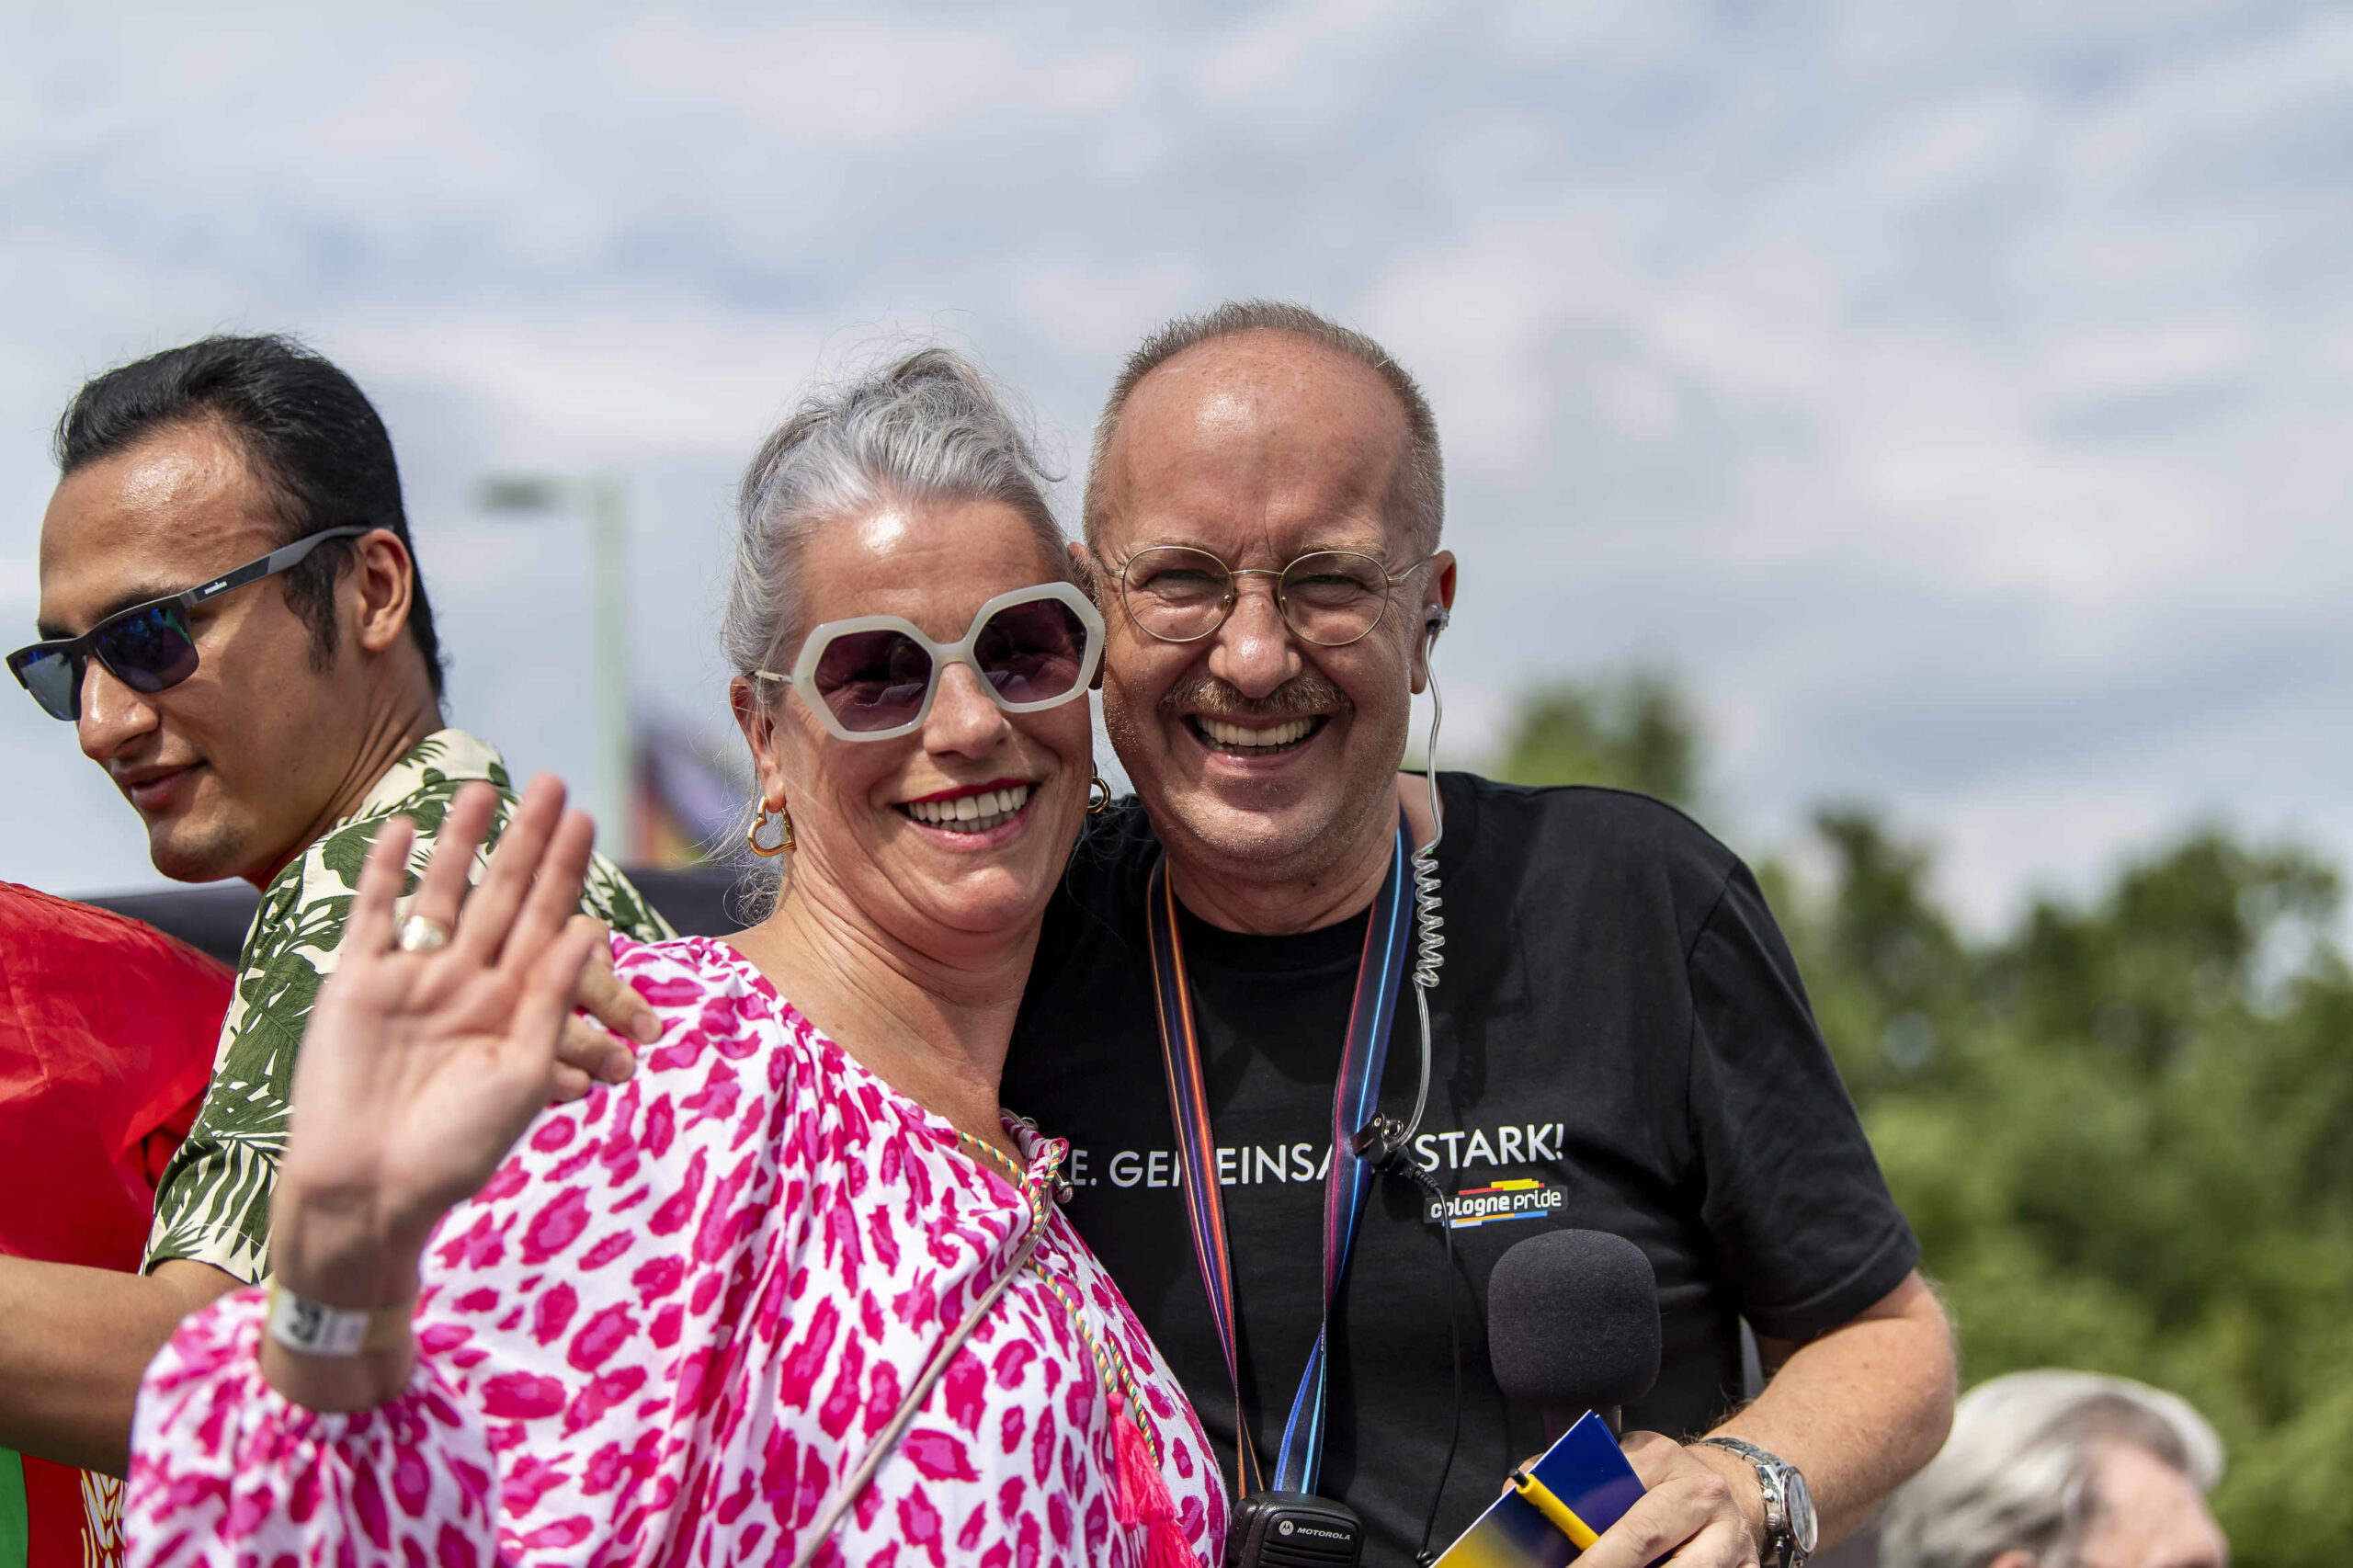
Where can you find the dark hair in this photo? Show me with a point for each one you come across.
(310, 433)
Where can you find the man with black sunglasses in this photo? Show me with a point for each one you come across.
(232, 620)
(1620, 1039)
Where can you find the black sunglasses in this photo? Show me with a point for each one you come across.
(148, 647)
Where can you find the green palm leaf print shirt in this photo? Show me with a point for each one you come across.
(213, 1204)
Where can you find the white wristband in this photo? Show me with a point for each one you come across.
(316, 1329)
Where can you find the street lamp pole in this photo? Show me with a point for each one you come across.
(609, 561)
(603, 499)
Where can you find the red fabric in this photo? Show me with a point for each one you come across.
(59, 1523)
(108, 1029)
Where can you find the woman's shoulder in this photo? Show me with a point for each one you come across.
(722, 1073)
(708, 999)
(727, 1033)
(684, 968)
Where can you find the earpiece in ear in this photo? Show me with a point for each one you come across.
(1437, 621)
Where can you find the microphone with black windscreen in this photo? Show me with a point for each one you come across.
(1573, 1325)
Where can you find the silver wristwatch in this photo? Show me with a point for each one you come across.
(1790, 1527)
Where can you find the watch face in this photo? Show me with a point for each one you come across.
(1804, 1529)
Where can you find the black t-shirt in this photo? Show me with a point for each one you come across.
(1617, 1023)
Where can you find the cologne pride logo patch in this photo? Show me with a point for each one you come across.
(1523, 1199)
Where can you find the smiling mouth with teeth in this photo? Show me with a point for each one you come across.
(1258, 740)
(971, 814)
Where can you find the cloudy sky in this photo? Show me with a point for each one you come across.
(1945, 391)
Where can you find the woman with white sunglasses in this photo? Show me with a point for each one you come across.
(798, 1290)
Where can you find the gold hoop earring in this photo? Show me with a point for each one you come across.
(769, 851)
(1098, 797)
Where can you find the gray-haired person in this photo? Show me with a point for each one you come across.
(2067, 1469)
(1620, 1040)
(801, 1292)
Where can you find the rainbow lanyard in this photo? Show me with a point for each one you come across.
(1380, 979)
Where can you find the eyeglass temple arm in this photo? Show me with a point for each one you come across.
(1406, 572)
(277, 561)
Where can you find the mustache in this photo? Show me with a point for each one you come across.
(1304, 693)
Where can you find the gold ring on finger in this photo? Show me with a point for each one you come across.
(421, 934)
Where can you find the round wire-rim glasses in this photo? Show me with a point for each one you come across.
(1177, 593)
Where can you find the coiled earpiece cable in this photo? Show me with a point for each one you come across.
(1385, 1142)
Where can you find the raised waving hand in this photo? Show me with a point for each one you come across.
(423, 1064)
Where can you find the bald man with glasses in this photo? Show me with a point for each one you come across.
(1621, 1039)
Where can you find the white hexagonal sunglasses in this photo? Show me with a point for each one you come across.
(873, 677)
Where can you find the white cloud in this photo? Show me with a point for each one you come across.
(1952, 392)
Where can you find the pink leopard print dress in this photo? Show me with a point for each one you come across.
(667, 1332)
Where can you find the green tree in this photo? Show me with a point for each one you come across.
(2118, 1130)
(2123, 1128)
(1633, 731)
